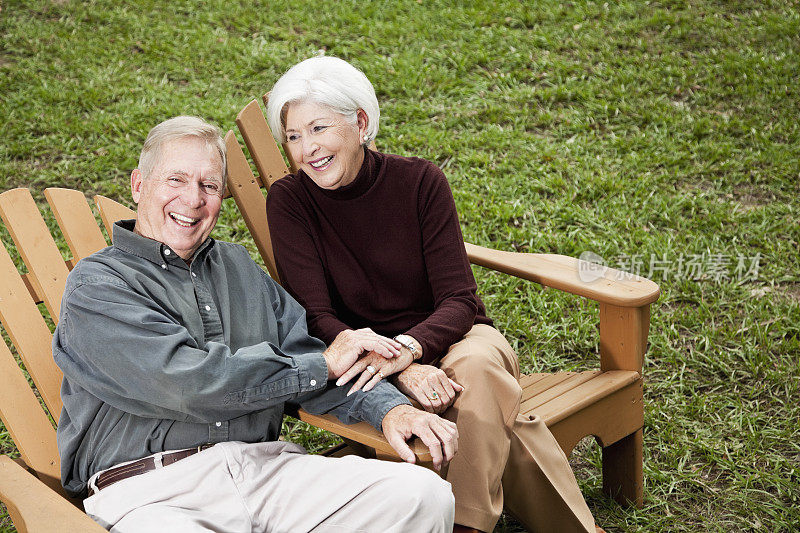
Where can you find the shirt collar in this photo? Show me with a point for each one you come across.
(154, 251)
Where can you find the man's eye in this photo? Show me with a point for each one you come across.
(211, 186)
(175, 179)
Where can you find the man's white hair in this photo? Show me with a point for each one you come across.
(177, 128)
(328, 81)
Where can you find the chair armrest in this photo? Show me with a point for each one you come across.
(604, 284)
(365, 434)
(35, 507)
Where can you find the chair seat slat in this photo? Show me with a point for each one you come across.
(24, 418)
(35, 245)
(111, 211)
(528, 380)
(77, 223)
(247, 192)
(585, 394)
(258, 138)
(29, 333)
(538, 397)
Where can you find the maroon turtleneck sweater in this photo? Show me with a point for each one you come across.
(384, 252)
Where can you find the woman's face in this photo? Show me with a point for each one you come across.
(324, 144)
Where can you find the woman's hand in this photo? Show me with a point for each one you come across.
(430, 386)
(373, 368)
(348, 345)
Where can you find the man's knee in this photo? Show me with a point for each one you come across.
(426, 499)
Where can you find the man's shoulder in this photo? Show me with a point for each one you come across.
(234, 252)
(100, 266)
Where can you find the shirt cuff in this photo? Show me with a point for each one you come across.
(312, 371)
(379, 401)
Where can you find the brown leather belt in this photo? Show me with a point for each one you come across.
(159, 460)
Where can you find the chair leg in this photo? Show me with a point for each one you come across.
(623, 475)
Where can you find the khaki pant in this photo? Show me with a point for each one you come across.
(275, 486)
(503, 457)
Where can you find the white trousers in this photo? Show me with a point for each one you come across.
(276, 486)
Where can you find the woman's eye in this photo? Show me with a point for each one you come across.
(318, 129)
(292, 137)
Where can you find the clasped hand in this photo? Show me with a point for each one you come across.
(427, 384)
(348, 345)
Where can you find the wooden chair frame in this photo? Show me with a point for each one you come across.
(31, 486)
(606, 403)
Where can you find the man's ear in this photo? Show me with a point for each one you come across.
(136, 185)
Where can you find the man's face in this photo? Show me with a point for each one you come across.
(179, 202)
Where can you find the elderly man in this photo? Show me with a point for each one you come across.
(179, 354)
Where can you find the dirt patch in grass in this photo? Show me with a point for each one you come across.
(790, 291)
(751, 197)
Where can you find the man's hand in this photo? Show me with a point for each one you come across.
(349, 344)
(438, 434)
(430, 386)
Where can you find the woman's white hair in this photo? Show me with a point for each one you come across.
(177, 128)
(327, 81)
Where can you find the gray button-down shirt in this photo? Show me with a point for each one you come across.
(160, 355)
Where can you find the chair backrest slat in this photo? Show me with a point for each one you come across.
(35, 245)
(258, 138)
(25, 420)
(111, 211)
(29, 333)
(77, 223)
(247, 193)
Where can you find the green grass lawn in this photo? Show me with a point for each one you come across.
(659, 134)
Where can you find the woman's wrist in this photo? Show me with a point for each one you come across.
(411, 344)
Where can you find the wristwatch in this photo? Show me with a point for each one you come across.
(408, 342)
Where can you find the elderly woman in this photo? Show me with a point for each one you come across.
(367, 239)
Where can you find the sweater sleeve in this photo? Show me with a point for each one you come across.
(449, 273)
(300, 268)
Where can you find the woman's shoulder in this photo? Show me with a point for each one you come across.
(415, 168)
(288, 189)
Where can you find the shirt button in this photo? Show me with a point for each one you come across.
(313, 382)
(218, 424)
(167, 251)
(194, 275)
(164, 266)
(208, 308)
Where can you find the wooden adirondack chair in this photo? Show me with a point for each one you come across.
(606, 403)
(31, 488)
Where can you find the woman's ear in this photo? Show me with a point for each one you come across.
(362, 121)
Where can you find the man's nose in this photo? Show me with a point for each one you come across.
(194, 196)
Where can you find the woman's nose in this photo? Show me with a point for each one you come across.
(309, 145)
